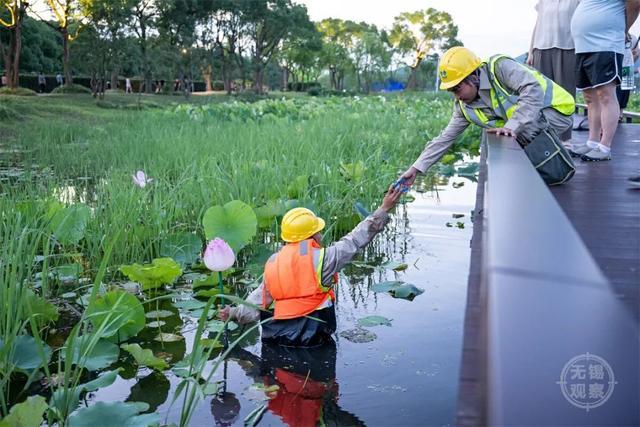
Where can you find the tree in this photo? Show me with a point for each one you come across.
(68, 18)
(144, 14)
(269, 22)
(421, 33)
(339, 40)
(11, 52)
(372, 57)
(299, 56)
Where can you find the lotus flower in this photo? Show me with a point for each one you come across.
(218, 256)
(141, 180)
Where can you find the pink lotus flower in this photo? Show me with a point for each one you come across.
(141, 180)
(218, 256)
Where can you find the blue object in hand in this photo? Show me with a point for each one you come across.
(401, 183)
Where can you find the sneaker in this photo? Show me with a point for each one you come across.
(596, 155)
(634, 181)
(578, 150)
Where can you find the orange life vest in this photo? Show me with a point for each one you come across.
(293, 278)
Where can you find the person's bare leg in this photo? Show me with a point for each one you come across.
(609, 112)
(593, 114)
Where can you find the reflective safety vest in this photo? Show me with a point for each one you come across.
(504, 104)
(293, 277)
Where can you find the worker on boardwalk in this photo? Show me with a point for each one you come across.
(501, 95)
(297, 290)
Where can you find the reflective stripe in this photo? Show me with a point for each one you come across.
(475, 115)
(304, 248)
(318, 261)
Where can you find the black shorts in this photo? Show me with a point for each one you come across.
(595, 69)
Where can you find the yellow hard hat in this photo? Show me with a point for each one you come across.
(456, 64)
(299, 224)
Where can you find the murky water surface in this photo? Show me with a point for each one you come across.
(403, 374)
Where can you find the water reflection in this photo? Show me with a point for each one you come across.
(299, 383)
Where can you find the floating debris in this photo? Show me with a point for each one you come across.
(358, 335)
(369, 321)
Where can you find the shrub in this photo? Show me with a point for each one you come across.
(19, 91)
(74, 88)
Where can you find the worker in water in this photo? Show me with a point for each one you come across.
(500, 95)
(297, 289)
(299, 383)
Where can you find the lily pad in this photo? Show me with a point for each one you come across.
(299, 187)
(395, 265)
(158, 314)
(457, 215)
(156, 324)
(114, 414)
(67, 273)
(358, 335)
(218, 325)
(122, 312)
(184, 248)
(267, 214)
(369, 321)
(235, 223)
(103, 353)
(166, 337)
(26, 414)
(26, 354)
(191, 304)
(161, 271)
(398, 289)
(144, 357)
(352, 171)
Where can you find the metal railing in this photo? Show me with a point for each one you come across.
(549, 310)
(627, 116)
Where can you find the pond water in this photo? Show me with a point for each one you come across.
(407, 375)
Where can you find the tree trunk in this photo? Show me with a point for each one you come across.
(412, 84)
(145, 57)
(114, 78)
(206, 76)
(66, 65)
(258, 76)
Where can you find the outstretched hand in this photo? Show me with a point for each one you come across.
(502, 131)
(391, 198)
(224, 312)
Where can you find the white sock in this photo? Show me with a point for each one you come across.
(592, 144)
(567, 144)
(604, 148)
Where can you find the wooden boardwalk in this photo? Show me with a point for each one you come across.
(605, 211)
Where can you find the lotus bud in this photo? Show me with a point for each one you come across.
(218, 256)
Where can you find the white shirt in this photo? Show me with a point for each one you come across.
(553, 25)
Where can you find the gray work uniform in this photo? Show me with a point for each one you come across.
(524, 121)
(336, 256)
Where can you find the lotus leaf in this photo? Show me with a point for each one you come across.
(144, 357)
(122, 312)
(235, 223)
(26, 414)
(156, 324)
(104, 380)
(103, 353)
(210, 389)
(212, 292)
(25, 354)
(395, 266)
(161, 271)
(114, 414)
(358, 335)
(158, 314)
(352, 171)
(184, 248)
(166, 337)
(68, 224)
(190, 304)
(211, 280)
(218, 325)
(267, 213)
(43, 311)
(398, 289)
(299, 187)
(67, 272)
(368, 321)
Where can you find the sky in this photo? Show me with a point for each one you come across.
(487, 27)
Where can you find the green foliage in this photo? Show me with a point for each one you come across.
(69, 224)
(235, 223)
(89, 353)
(184, 248)
(161, 271)
(145, 357)
(71, 89)
(19, 91)
(121, 313)
(114, 414)
(398, 289)
(26, 353)
(369, 321)
(26, 414)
